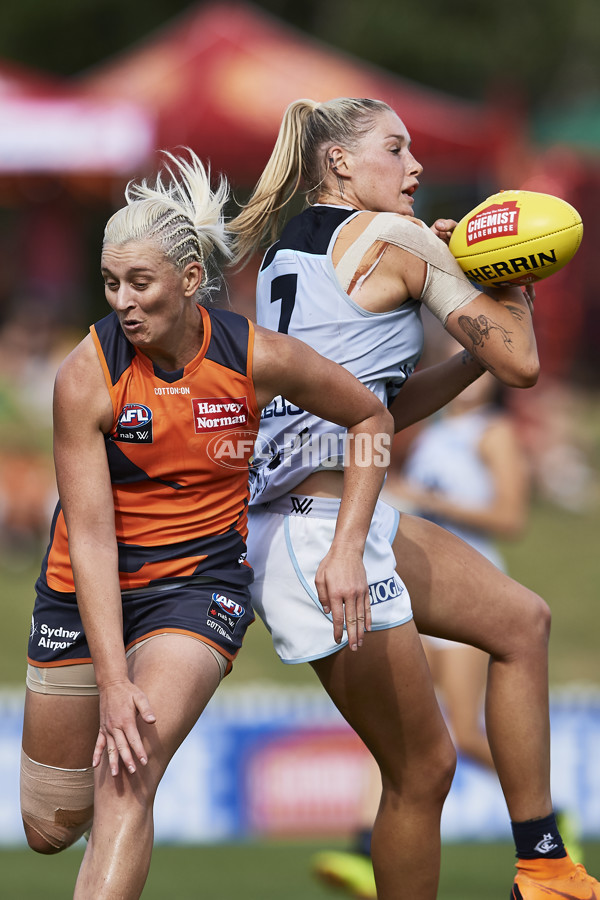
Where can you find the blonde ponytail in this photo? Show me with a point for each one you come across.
(307, 131)
(280, 181)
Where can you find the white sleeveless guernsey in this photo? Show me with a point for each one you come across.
(298, 293)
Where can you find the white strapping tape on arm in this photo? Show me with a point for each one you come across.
(446, 286)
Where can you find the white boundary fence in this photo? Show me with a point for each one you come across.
(269, 761)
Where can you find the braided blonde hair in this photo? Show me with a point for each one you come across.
(179, 211)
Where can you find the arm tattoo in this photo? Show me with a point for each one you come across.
(479, 331)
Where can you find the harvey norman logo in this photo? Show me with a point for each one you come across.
(493, 221)
(219, 413)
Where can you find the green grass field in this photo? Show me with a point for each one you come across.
(258, 871)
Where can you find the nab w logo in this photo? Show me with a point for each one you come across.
(301, 505)
(134, 425)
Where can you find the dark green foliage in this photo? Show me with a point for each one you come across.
(535, 52)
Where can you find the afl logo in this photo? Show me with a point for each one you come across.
(134, 415)
(134, 425)
(229, 606)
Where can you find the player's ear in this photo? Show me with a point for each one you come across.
(192, 278)
(336, 160)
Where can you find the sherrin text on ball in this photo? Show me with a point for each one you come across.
(516, 237)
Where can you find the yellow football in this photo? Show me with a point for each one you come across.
(516, 237)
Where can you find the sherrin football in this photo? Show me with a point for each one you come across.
(516, 237)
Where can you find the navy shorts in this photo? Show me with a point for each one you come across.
(216, 612)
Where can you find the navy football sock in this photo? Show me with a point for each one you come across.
(538, 839)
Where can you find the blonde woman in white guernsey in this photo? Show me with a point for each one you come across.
(348, 275)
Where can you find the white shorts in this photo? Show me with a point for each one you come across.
(287, 540)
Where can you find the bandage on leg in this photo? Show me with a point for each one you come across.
(221, 660)
(77, 681)
(58, 804)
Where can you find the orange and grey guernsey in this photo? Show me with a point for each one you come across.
(178, 454)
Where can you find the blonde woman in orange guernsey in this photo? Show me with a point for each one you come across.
(143, 599)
